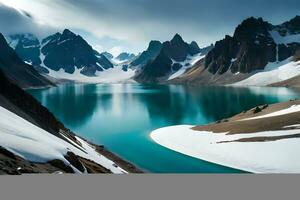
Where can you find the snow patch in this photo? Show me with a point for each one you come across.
(278, 39)
(37, 145)
(273, 73)
(292, 126)
(188, 63)
(292, 109)
(258, 157)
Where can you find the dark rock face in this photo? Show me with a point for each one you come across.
(65, 51)
(219, 58)
(18, 101)
(159, 67)
(176, 49)
(109, 56)
(16, 70)
(194, 48)
(69, 51)
(125, 56)
(297, 55)
(27, 46)
(289, 27)
(287, 50)
(151, 53)
(168, 60)
(251, 48)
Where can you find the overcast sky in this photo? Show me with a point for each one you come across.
(128, 25)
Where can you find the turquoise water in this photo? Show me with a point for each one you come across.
(121, 117)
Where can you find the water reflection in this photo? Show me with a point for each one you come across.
(171, 104)
(72, 104)
(121, 116)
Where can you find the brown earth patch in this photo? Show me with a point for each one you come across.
(235, 126)
(264, 139)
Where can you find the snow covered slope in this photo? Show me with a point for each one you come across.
(264, 140)
(37, 145)
(257, 157)
(188, 63)
(68, 56)
(273, 73)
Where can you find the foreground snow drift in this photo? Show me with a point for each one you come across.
(273, 73)
(37, 145)
(279, 156)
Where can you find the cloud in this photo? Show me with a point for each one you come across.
(115, 51)
(16, 21)
(136, 22)
(98, 47)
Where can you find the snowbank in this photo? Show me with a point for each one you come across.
(279, 156)
(287, 39)
(292, 109)
(273, 73)
(37, 145)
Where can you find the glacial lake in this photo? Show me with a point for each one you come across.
(121, 116)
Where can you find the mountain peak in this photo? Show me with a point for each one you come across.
(177, 38)
(125, 56)
(293, 24)
(2, 38)
(250, 27)
(251, 21)
(154, 44)
(108, 55)
(194, 44)
(3, 43)
(296, 18)
(193, 48)
(68, 32)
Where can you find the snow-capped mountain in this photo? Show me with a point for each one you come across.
(173, 59)
(27, 46)
(69, 52)
(16, 70)
(124, 57)
(66, 52)
(255, 47)
(149, 54)
(108, 55)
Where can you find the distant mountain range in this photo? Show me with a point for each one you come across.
(125, 56)
(162, 60)
(149, 54)
(61, 51)
(256, 46)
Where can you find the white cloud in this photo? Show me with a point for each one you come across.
(98, 47)
(139, 21)
(115, 51)
(17, 20)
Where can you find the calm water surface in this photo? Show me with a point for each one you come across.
(121, 117)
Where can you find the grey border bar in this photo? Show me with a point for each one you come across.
(150, 186)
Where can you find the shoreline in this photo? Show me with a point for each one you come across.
(124, 164)
(253, 145)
